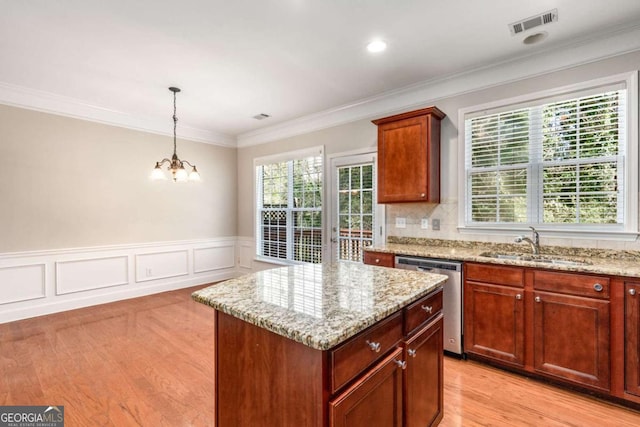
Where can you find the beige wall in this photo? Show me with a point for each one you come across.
(363, 133)
(69, 183)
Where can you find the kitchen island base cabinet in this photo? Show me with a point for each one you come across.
(424, 390)
(390, 374)
(375, 400)
(263, 376)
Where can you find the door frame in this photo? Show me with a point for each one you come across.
(346, 158)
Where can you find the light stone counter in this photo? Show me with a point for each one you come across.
(597, 261)
(319, 305)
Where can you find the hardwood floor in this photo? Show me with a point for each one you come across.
(149, 362)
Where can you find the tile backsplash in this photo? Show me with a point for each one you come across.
(447, 213)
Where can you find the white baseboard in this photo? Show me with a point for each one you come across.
(44, 282)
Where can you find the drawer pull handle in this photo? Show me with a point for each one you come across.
(518, 297)
(632, 292)
(537, 299)
(598, 287)
(427, 308)
(401, 364)
(411, 352)
(374, 346)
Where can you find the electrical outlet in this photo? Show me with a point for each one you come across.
(435, 224)
(424, 223)
(401, 222)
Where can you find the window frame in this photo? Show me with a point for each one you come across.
(317, 151)
(628, 230)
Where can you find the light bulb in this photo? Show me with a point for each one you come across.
(181, 174)
(157, 174)
(194, 175)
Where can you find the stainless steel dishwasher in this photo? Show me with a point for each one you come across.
(452, 296)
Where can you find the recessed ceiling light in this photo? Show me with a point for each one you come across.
(376, 46)
(535, 38)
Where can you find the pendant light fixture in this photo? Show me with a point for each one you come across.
(176, 166)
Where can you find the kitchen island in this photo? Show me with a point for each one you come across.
(341, 344)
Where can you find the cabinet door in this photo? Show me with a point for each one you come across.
(571, 338)
(374, 400)
(632, 338)
(494, 322)
(423, 376)
(402, 154)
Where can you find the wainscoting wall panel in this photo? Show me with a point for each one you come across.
(162, 265)
(214, 258)
(86, 274)
(22, 283)
(43, 282)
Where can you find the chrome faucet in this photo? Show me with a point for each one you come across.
(535, 242)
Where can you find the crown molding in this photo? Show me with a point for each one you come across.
(598, 47)
(32, 99)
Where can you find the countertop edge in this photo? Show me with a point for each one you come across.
(597, 266)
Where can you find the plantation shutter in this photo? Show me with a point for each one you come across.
(556, 160)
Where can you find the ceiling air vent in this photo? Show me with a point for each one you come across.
(261, 116)
(534, 21)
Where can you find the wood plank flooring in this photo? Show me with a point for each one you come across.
(149, 362)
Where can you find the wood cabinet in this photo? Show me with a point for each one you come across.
(632, 338)
(549, 323)
(385, 395)
(571, 331)
(423, 387)
(494, 313)
(381, 259)
(376, 399)
(409, 156)
(388, 375)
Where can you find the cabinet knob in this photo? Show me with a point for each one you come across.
(519, 297)
(598, 287)
(374, 346)
(422, 195)
(377, 260)
(411, 352)
(632, 292)
(401, 364)
(537, 299)
(427, 308)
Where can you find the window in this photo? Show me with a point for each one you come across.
(289, 206)
(563, 159)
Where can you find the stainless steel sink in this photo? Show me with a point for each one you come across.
(548, 259)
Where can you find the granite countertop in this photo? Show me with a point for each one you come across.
(596, 261)
(319, 305)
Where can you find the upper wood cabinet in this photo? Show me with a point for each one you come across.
(409, 156)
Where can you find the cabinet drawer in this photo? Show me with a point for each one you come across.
(351, 358)
(496, 274)
(422, 311)
(379, 258)
(572, 284)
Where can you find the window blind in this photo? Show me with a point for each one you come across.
(556, 161)
(289, 209)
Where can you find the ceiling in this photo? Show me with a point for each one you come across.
(286, 58)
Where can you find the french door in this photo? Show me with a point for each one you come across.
(356, 219)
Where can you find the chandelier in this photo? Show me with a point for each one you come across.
(176, 166)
